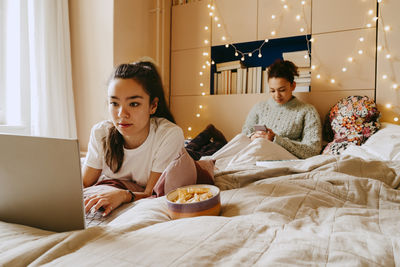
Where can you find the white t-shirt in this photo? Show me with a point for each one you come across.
(163, 144)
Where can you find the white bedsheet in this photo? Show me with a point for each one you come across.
(325, 210)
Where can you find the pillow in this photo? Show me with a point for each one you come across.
(352, 121)
(385, 144)
(184, 171)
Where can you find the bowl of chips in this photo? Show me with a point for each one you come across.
(194, 200)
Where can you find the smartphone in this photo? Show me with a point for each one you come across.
(260, 128)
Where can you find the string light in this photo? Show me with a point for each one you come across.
(396, 119)
(189, 128)
(198, 115)
(298, 17)
(200, 106)
(388, 105)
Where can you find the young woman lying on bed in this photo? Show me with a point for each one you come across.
(130, 152)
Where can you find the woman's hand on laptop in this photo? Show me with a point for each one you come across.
(109, 200)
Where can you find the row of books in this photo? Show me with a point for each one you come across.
(182, 2)
(233, 78)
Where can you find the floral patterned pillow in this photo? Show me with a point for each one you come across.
(353, 120)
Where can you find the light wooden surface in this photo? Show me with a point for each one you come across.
(285, 23)
(330, 53)
(238, 21)
(341, 15)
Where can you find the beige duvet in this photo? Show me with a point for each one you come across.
(320, 211)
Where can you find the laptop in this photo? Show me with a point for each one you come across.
(41, 183)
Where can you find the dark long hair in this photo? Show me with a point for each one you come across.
(145, 73)
(283, 69)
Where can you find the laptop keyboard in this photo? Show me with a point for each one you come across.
(95, 218)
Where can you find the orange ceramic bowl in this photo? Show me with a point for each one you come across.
(208, 207)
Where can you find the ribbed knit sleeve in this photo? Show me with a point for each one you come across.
(252, 119)
(310, 143)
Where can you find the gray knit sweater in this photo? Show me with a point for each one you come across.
(297, 125)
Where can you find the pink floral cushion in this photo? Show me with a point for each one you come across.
(353, 120)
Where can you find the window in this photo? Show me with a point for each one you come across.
(14, 88)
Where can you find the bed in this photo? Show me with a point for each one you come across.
(326, 210)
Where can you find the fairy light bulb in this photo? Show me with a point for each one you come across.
(305, 56)
(201, 84)
(387, 28)
(242, 59)
(388, 105)
(370, 12)
(206, 28)
(384, 76)
(333, 81)
(273, 33)
(350, 59)
(379, 48)
(312, 40)
(259, 55)
(396, 119)
(189, 128)
(213, 62)
(388, 56)
(318, 76)
(360, 52)
(303, 2)
(250, 54)
(208, 63)
(219, 25)
(361, 39)
(313, 67)
(344, 69)
(395, 86)
(298, 17)
(301, 29)
(273, 17)
(206, 41)
(198, 115)
(212, 7)
(216, 18)
(204, 66)
(369, 25)
(211, 14)
(266, 40)
(200, 106)
(201, 73)
(203, 93)
(209, 5)
(285, 6)
(236, 53)
(223, 38)
(227, 45)
(205, 54)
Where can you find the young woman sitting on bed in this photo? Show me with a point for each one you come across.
(130, 152)
(292, 124)
(292, 128)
